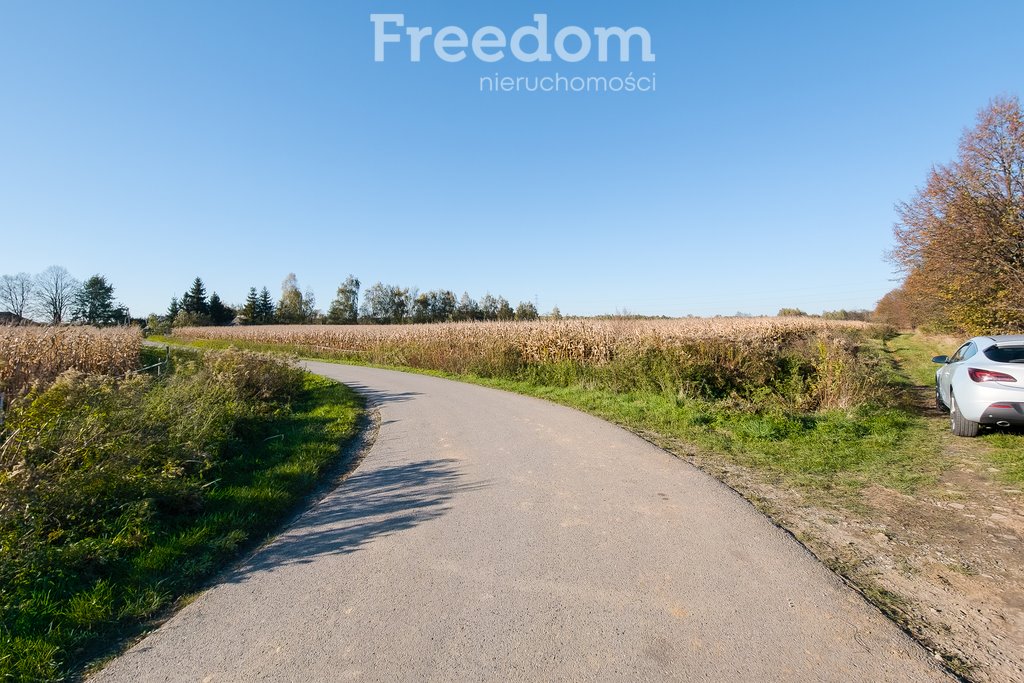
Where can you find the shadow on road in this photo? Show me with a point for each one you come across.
(369, 505)
(378, 397)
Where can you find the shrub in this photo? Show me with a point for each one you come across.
(256, 376)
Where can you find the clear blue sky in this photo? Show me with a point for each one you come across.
(240, 141)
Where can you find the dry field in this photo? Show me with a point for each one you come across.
(805, 363)
(40, 354)
(591, 341)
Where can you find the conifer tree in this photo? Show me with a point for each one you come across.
(265, 311)
(194, 300)
(220, 314)
(251, 308)
(173, 309)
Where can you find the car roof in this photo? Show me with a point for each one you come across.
(1010, 339)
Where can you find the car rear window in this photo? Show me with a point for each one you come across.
(1005, 354)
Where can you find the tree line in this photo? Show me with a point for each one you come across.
(960, 238)
(860, 314)
(55, 296)
(379, 303)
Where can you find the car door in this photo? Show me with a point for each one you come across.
(945, 374)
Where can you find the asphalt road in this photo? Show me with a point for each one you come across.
(490, 536)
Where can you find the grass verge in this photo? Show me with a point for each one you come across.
(142, 489)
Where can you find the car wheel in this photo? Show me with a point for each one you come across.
(960, 425)
(939, 403)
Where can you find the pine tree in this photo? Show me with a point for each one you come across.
(252, 303)
(265, 311)
(194, 301)
(219, 313)
(172, 310)
(93, 303)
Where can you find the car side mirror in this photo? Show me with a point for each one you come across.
(941, 359)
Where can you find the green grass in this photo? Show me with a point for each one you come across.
(914, 353)
(1002, 449)
(1006, 452)
(64, 602)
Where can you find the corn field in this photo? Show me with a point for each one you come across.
(700, 357)
(590, 341)
(30, 355)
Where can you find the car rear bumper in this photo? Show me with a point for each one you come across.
(1003, 414)
(976, 402)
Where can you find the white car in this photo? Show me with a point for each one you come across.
(983, 384)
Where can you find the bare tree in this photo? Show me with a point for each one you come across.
(16, 293)
(54, 292)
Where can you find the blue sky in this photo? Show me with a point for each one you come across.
(240, 141)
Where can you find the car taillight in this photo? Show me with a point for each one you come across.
(979, 375)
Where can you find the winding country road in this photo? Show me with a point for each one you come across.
(490, 536)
